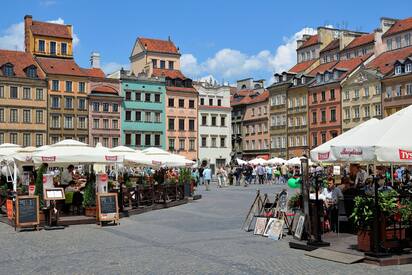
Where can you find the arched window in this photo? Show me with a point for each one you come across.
(243, 86)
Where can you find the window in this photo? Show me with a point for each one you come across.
(314, 117)
(39, 140)
(333, 115)
(1, 91)
(55, 85)
(68, 122)
(105, 123)
(388, 91)
(315, 97)
(148, 117)
(366, 110)
(171, 144)
(2, 118)
(115, 124)
(41, 46)
(26, 93)
(181, 144)
(191, 144)
(82, 104)
(162, 64)
(128, 96)
(147, 97)
(171, 102)
(128, 139)
(398, 90)
(334, 134)
(157, 117)
(204, 120)
(191, 124)
(191, 104)
(222, 121)
(346, 95)
(222, 142)
(408, 68)
(181, 103)
(389, 44)
(171, 65)
(31, 72)
(105, 107)
(138, 140)
(181, 124)
(366, 90)
(39, 94)
(323, 116)
(105, 142)
(157, 98)
(398, 69)
(202, 101)
(204, 141)
(138, 96)
(219, 102)
(39, 116)
(347, 113)
(82, 87)
(213, 142)
(13, 138)
(156, 140)
(52, 47)
(147, 139)
(82, 122)
(356, 112)
(8, 70)
(154, 63)
(96, 106)
(55, 121)
(68, 103)
(138, 116)
(323, 136)
(69, 85)
(398, 42)
(407, 39)
(213, 120)
(378, 89)
(14, 115)
(378, 110)
(356, 94)
(14, 92)
(332, 94)
(115, 108)
(210, 101)
(96, 123)
(115, 142)
(409, 89)
(63, 48)
(128, 116)
(171, 124)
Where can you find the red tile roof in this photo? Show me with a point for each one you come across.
(360, 41)
(351, 64)
(312, 40)
(157, 45)
(301, 67)
(399, 26)
(323, 67)
(20, 61)
(180, 89)
(249, 97)
(168, 73)
(334, 44)
(105, 90)
(385, 61)
(50, 29)
(94, 72)
(60, 66)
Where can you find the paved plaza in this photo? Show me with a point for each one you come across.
(202, 237)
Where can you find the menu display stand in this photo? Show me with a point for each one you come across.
(27, 212)
(51, 195)
(107, 208)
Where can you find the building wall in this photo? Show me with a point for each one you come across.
(30, 132)
(237, 115)
(320, 130)
(398, 98)
(185, 140)
(76, 131)
(278, 119)
(133, 127)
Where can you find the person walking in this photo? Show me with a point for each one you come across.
(207, 177)
(261, 171)
(200, 171)
(269, 172)
(284, 171)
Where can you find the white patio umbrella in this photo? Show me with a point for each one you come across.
(258, 161)
(241, 161)
(323, 153)
(276, 161)
(6, 149)
(159, 157)
(72, 152)
(296, 161)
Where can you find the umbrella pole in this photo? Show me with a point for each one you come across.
(14, 177)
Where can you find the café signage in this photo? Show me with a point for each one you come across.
(323, 156)
(405, 155)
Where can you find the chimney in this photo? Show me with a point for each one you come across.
(95, 60)
(28, 21)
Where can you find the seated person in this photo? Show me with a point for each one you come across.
(332, 195)
(67, 176)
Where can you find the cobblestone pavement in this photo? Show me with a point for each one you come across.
(202, 237)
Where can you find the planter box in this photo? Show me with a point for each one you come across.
(90, 211)
(365, 238)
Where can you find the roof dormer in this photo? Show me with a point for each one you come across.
(8, 69)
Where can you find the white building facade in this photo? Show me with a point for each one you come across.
(215, 140)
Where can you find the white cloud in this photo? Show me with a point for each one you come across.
(111, 67)
(231, 64)
(47, 3)
(13, 37)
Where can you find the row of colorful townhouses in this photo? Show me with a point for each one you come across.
(46, 97)
(341, 79)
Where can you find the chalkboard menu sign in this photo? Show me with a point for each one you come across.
(27, 211)
(108, 208)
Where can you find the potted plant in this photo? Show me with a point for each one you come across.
(295, 201)
(89, 197)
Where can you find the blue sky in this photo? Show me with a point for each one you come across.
(229, 39)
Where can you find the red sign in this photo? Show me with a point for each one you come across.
(323, 156)
(405, 155)
(46, 159)
(103, 177)
(44, 179)
(31, 189)
(111, 158)
(156, 162)
(351, 152)
(9, 206)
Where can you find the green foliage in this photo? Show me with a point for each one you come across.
(295, 201)
(185, 176)
(38, 190)
(89, 196)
